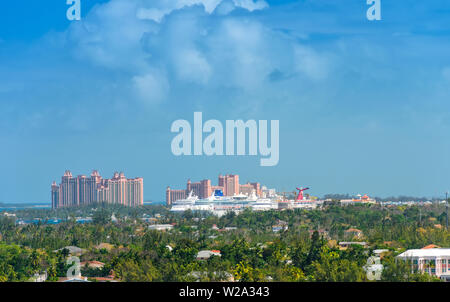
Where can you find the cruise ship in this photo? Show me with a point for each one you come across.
(219, 204)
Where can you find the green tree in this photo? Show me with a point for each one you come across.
(243, 272)
(101, 217)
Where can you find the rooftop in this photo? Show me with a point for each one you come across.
(431, 246)
(206, 254)
(353, 230)
(352, 242)
(433, 252)
(92, 263)
(160, 226)
(72, 249)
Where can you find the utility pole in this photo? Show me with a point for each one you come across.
(446, 209)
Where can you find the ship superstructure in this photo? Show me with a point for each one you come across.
(219, 204)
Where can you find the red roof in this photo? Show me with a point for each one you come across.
(89, 263)
(430, 246)
(353, 230)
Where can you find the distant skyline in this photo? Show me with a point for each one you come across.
(363, 106)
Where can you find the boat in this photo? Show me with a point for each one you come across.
(219, 204)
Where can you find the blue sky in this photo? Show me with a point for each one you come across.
(363, 106)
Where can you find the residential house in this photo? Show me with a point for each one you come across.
(204, 255)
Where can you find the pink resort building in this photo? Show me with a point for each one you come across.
(82, 190)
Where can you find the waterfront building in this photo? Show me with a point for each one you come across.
(249, 188)
(227, 184)
(361, 199)
(82, 190)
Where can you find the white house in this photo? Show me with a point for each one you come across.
(161, 227)
(203, 255)
(434, 261)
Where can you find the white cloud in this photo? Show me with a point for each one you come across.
(310, 63)
(251, 5)
(110, 36)
(238, 50)
(192, 66)
(225, 7)
(151, 14)
(163, 45)
(446, 73)
(157, 10)
(151, 87)
(210, 5)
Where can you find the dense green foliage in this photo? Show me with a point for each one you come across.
(250, 252)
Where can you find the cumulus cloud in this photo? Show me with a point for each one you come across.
(151, 14)
(446, 73)
(310, 63)
(251, 5)
(110, 36)
(156, 10)
(151, 87)
(192, 66)
(225, 7)
(164, 44)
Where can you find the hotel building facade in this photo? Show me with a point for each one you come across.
(82, 190)
(432, 261)
(228, 184)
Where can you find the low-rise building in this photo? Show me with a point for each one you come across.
(432, 261)
(216, 276)
(380, 252)
(204, 255)
(104, 279)
(104, 245)
(93, 264)
(227, 229)
(161, 227)
(6, 214)
(431, 246)
(278, 228)
(73, 250)
(354, 233)
(39, 277)
(76, 279)
(360, 200)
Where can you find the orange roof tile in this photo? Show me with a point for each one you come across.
(430, 246)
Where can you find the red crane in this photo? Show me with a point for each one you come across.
(300, 193)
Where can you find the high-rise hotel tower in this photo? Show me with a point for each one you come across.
(82, 190)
